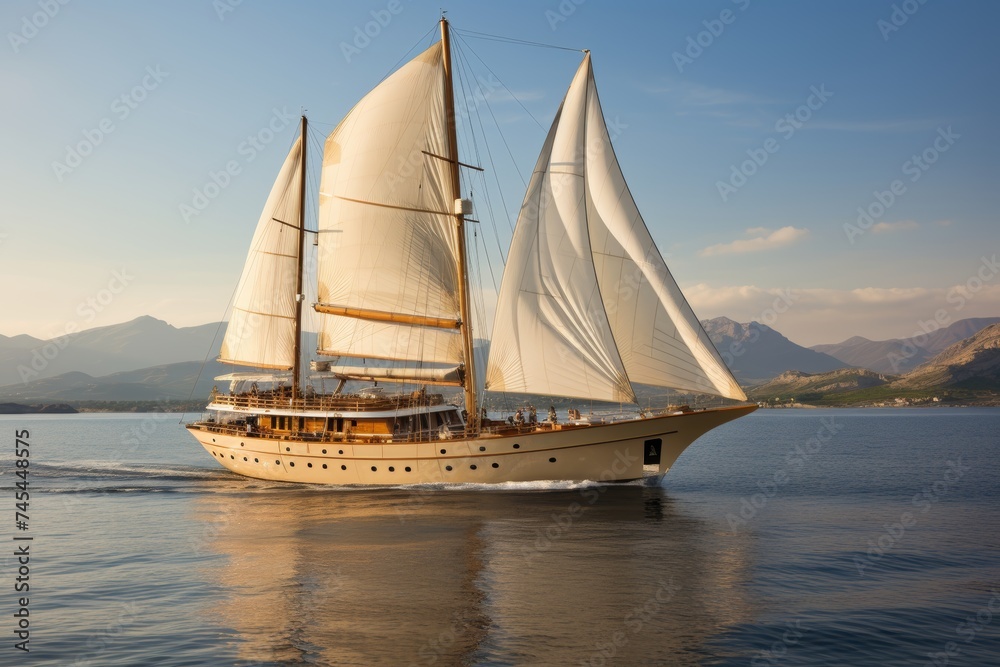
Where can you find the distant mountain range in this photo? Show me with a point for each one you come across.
(141, 343)
(970, 367)
(899, 355)
(147, 359)
(755, 352)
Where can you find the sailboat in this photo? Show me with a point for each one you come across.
(587, 307)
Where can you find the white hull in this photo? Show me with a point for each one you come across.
(605, 452)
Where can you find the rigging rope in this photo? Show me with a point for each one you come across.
(513, 40)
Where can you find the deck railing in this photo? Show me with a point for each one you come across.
(325, 402)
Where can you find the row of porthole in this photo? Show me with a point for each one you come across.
(443, 451)
(374, 468)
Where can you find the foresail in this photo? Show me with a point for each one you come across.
(587, 304)
(388, 256)
(551, 334)
(659, 338)
(261, 330)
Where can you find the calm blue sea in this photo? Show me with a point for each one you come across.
(789, 537)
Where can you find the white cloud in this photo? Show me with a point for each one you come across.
(761, 239)
(901, 226)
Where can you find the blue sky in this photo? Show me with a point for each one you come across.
(104, 240)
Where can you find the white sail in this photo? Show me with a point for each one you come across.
(388, 256)
(261, 330)
(348, 336)
(587, 304)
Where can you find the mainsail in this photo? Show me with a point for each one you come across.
(388, 256)
(587, 305)
(261, 329)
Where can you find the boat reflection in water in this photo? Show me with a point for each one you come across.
(592, 575)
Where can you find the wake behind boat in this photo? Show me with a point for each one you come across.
(586, 308)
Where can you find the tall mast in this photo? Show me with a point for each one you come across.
(463, 273)
(299, 296)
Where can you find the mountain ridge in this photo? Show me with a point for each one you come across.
(899, 355)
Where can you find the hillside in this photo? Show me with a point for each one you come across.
(899, 355)
(168, 381)
(803, 386)
(966, 372)
(756, 352)
(973, 363)
(140, 343)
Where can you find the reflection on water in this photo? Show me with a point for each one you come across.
(595, 575)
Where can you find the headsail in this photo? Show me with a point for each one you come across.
(261, 330)
(587, 304)
(388, 256)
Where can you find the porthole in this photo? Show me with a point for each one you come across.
(213, 439)
(448, 468)
(231, 456)
(517, 446)
(292, 464)
(309, 465)
(496, 465)
(324, 466)
(324, 451)
(407, 468)
(343, 467)
(288, 449)
(391, 469)
(552, 459)
(340, 451)
(244, 458)
(472, 467)
(374, 469)
(256, 460)
(241, 444)
(482, 449)
(277, 463)
(444, 451)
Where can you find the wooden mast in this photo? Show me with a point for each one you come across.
(472, 421)
(299, 296)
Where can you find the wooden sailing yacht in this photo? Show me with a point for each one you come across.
(587, 306)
